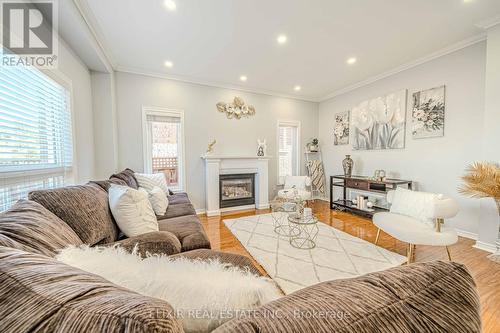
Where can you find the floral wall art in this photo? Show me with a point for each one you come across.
(428, 113)
(341, 129)
(379, 123)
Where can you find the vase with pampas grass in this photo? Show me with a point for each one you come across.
(482, 180)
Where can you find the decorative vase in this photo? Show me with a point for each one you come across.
(347, 164)
(299, 204)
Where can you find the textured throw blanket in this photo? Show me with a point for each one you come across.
(204, 293)
(317, 175)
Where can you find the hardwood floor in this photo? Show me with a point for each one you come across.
(485, 272)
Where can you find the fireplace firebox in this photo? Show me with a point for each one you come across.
(236, 190)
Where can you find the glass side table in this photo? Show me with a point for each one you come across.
(281, 209)
(308, 231)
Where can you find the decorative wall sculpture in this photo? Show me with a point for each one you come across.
(236, 109)
(341, 129)
(379, 123)
(428, 113)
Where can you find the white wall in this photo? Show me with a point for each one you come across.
(488, 231)
(78, 74)
(435, 164)
(105, 132)
(203, 123)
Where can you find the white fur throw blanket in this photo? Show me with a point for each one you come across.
(204, 294)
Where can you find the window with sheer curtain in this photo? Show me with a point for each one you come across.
(288, 150)
(36, 148)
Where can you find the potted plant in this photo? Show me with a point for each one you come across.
(482, 180)
(313, 145)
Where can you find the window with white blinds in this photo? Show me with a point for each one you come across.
(36, 149)
(288, 150)
(164, 145)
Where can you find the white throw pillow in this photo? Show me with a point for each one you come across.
(158, 200)
(132, 211)
(150, 180)
(211, 290)
(418, 205)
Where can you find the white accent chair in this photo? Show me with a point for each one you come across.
(417, 218)
(296, 186)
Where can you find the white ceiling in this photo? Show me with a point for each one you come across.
(216, 41)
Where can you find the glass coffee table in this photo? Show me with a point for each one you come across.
(281, 209)
(307, 231)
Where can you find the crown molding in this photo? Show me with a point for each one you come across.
(489, 23)
(435, 55)
(90, 21)
(186, 79)
(89, 18)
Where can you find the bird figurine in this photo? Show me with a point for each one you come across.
(210, 148)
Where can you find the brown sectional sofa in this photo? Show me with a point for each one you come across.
(85, 208)
(40, 294)
(180, 218)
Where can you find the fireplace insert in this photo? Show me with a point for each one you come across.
(236, 190)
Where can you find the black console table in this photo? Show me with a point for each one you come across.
(366, 184)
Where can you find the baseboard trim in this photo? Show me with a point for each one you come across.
(213, 212)
(236, 208)
(229, 209)
(492, 248)
(467, 234)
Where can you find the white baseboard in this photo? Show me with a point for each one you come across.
(200, 211)
(485, 247)
(232, 209)
(213, 212)
(479, 245)
(467, 234)
(229, 209)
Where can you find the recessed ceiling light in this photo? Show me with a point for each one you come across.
(243, 78)
(169, 64)
(281, 39)
(297, 88)
(468, 1)
(351, 61)
(170, 5)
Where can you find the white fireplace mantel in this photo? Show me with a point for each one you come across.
(216, 165)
